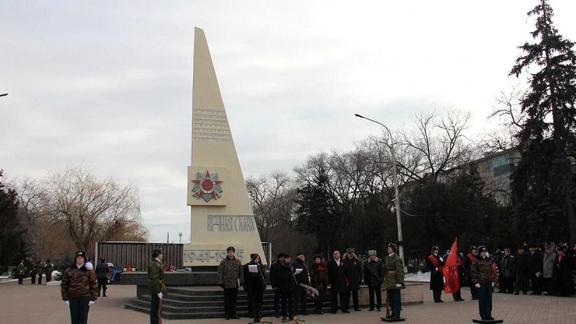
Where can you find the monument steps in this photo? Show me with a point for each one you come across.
(195, 303)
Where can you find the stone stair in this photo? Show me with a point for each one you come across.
(204, 302)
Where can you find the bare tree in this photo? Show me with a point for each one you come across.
(91, 209)
(439, 144)
(509, 113)
(272, 200)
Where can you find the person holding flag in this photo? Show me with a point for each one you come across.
(451, 272)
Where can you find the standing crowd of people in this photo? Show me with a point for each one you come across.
(35, 270)
(548, 269)
(295, 282)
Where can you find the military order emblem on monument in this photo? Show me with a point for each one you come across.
(207, 186)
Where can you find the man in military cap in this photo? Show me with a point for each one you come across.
(483, 272)
(393, 281)
(156, 286)
(78, 289)
(353, 270)
(434, 263)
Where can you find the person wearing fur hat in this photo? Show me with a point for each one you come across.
(393, 280)
(434, 263)
(255, 284)
(274, 268)
(373, 278)
(287, 287)
(79, 289)
(319, 276)
(483, 272)
(353, 269)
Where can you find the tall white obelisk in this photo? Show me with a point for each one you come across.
(220, 208)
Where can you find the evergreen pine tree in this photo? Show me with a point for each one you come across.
(11, 232)
(543, 184)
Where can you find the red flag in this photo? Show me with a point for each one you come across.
(450, 270)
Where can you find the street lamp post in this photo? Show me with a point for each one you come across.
(396, 184)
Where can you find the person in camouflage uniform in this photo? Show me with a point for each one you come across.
(78, 289)
(156, 286)
(483, 276)
(393, 280)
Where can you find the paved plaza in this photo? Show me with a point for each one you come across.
(42, 304)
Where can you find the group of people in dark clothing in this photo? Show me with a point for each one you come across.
(295, 282)
(36, 270)
(530, 269)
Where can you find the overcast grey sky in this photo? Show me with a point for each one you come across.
(106, 85)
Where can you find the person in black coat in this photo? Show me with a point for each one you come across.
(564, 272)
(353, 268)
(255, 284)
(287, 287)
(373, 277)
(274, 281)
(434, 264)
(302, 277)
(507, 268)
(522, 272)
(337, 281)
(471, 257)
(535, 262)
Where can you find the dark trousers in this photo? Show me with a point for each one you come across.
(457, 296)
(474, 292)
(354, 293)
(507, 285)
(375, 292)
(301, 295)
(485, 301)
(255, 297)
(20, 280)
(536, 284)
(48, 277)
(155, 310)
(334, 294)
(276, 302)
(230, 297)
(549, 285)
(287, 301)
(102, 282)
(395, 302)
(33, 278)
(79, 310)
(437, 294)
(40, 279)
(521, 284)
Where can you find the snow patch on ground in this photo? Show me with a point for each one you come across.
(419, 277)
